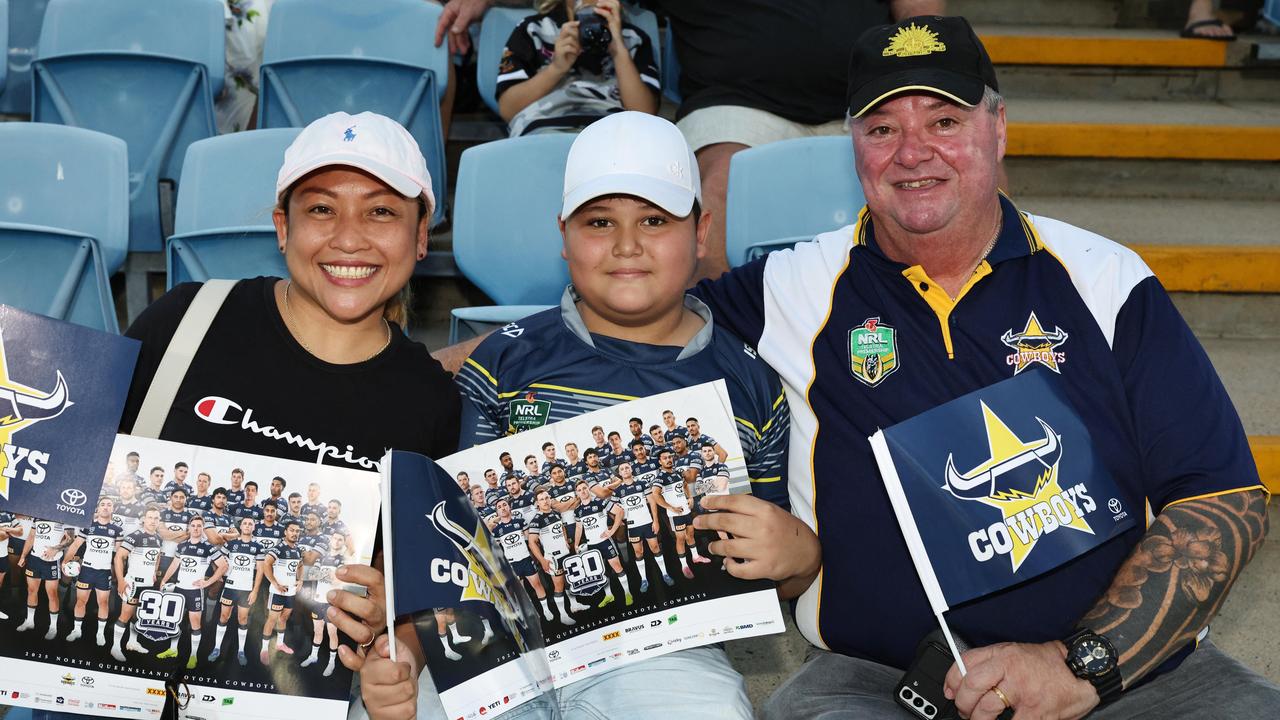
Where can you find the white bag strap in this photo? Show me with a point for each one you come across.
(177, 358)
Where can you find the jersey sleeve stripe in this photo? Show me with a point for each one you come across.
(748, 425)
(1247, 488)
(774, 479)
(594, 393)
(484, 372)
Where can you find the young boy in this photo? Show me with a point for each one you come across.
(555, 77)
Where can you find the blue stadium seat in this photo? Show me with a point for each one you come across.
(222, 226)
(4, 35)
(670, 66)
(322, 56)
(143, 71)
(1271, 11)
(496, 29)
(789, 191)
(24, 18)
(505, 238)
(64, 214)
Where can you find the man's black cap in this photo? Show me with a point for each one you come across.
(931, 54)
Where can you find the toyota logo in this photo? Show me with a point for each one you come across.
(73, 497)
(242, 560)
(1113, 505)
(98, 543)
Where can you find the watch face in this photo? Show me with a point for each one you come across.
(1094, 656)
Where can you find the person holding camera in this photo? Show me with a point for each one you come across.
(573, 63)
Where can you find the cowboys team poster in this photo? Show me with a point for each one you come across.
(209, 563)
(592, 518)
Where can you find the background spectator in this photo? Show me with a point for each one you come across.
(562, 74)
(246, 23)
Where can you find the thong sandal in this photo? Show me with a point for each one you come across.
(1189, 31)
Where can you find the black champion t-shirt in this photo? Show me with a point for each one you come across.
(253, 388)
(787, 57)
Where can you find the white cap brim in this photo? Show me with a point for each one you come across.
(672, 198)
(395, 179)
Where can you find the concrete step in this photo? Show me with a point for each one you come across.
(1246, 131)
(1070, 13)
(1124, 47)
(1142, 178)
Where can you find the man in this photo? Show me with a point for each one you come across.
(508, 468)
(492, 490)
(236, 493)
(243, 580)
(219, 525)
(201, 501)
(599, 520)
(575, 470)
(533, 476)
(42, 558)
(131, 463)
(194, 556)
(9, 528)
(675, 499)
(294, 511)
(519, 500)
(179, 481)
(313, 503)
(268, 533)
(659, 439)
(334, 555)
(99, 543)
(688, 465)
(136, 566)
(464, 483)
(636, 425)
(549, 458)
(511, 532)
(697, 440)
(333, 525)
(602, 445)
(282, 567)
(549, 544)
(128, 508)
(248, 506)
(173, 526)
(639, 501)
(951, 290)
(483, 509)
(564, 499)
(154, 491)
(278, 484)
(672, 430)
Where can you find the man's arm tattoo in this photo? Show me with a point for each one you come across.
(1177, 577)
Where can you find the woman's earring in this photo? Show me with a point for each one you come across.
(281, 249)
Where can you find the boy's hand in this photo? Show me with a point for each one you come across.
(567, 47)
(389, 689)
(771, 542)
(612, 13)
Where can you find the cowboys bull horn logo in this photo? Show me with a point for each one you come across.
(1020, 479)
(482, 571)
(21, 407)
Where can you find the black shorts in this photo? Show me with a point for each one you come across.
(555, 559)
(524, 568)
(4, 562)
(43, 569)
(319, 610)
(606, 548)
(93, 578)
(643, 531)
(195, 599)
(135, 590)
(280, 602)
(239, 598)
(678, 522)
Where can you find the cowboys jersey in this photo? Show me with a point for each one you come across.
(235, 497)
(7, 521)
(268, 536)
(128, 515)
(618, 457)
(522, 505)
(711, 476)
(595, 517)
(153, 496)
(172, 485)
(670, 434)
(512, 538)
(688, 461)
(286, 559)
(221, 522)
(319, 509)
(325, 581)
(100, 544)
(673, 491)
(194, 559)
(646, 473)
(491, 495)
(502, 479)
(548, 464)
(574, 472)
(242, 510)
(560, 494)
(48, 536)
(551, 533)
(317, 543)
(200, 503)
(703, 440)
(634, 498)
(242, 563)
(144, 556)
(174, 521)
(334, 527)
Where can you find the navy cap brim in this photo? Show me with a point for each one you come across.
(963, 89)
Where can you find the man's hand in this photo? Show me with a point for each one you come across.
(1034, 678)
(361, 618)
(567, 48)
(458, 15)
(389, 689)
(771, 542)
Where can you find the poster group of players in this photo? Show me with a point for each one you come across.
(242, 552)
(561, 520)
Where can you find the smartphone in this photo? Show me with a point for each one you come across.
(920, 689)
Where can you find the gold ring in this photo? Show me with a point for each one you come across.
(366, 646)
(1003, 698)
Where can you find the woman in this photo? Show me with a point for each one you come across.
(320, 355)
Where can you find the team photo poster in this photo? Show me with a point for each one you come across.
(594, 517)
(212, 563)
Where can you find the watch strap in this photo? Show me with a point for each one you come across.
(1109, 685)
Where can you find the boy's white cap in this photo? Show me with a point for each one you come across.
(632, 153)
(374, 143)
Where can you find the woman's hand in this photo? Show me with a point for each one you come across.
(389, 689)
(360, 618)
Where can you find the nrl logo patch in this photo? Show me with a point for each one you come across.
(873, 351)
(1034, 345)
(529, 413)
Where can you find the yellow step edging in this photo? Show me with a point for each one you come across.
(1174, 142)
(1266, 453)
(1214, 268)
(1125, 52)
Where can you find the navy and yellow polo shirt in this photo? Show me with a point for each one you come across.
(862, 342)
(548, 367)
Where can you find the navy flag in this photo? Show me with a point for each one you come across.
(997, 487)
(62, 389)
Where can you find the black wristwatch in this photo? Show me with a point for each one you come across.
(1092, 657)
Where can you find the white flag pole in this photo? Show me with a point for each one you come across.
(915, 544)
(389, 581)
